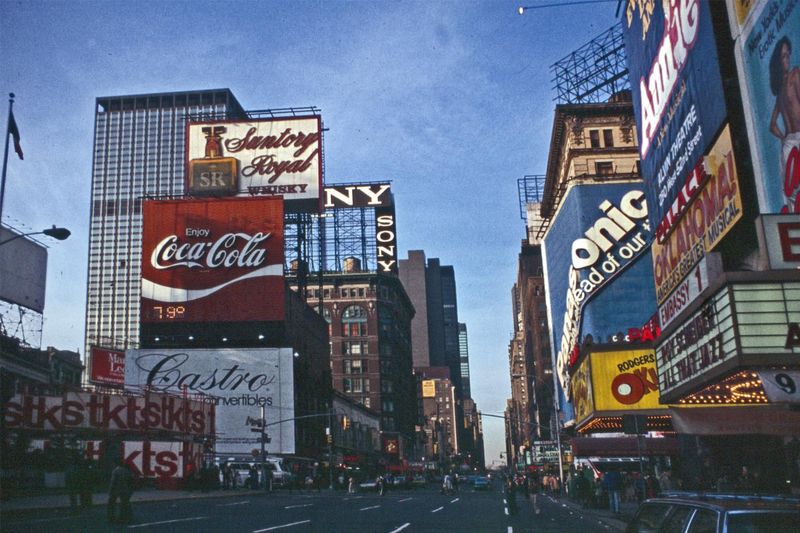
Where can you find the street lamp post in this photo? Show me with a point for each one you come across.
(54, 232)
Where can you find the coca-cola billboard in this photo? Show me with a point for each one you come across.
(217, 260)
(107, 366)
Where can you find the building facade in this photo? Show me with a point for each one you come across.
(139, 152)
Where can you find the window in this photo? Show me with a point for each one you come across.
(608, 138)
(604, 168)
(704, 521)
(354, 321)
(677, 520)
(594, 138)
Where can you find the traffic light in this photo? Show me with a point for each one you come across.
(329, 439)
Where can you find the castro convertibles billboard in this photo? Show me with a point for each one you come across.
(238, 381)
(677, 97)
(212, 261)
(596, 284)
(266, 157)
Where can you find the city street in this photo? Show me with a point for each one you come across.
(418, 510)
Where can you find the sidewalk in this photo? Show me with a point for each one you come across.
(616, 521)
(61, 501)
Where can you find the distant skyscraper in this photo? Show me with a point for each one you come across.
(139, 151)
(432, 288)
(463, 351)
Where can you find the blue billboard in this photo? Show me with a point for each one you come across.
(677, 97)
(597, 267)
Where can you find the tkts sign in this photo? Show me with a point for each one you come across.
(272, 157)
(212, 261)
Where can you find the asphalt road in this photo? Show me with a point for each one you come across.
(421, 510)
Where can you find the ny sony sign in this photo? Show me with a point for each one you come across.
(379, 197)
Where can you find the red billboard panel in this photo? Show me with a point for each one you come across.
(212, 261)
(107, 366)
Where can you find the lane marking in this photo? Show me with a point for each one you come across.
(169, 522)
(437, 510)
(401, 528)
(301, 505)
(454, 501)
(404, 500)
(368, 508)
(353, 498)
(235, 503)
(281, 526)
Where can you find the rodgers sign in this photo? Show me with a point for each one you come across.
(625, 380)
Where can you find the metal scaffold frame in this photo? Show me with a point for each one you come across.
(530, 189)
(594, 72)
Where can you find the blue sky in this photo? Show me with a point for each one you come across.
(452, 101)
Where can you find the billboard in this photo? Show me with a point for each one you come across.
(240, 381)
(265, 157)
(107, 366)
(23, 271)
(150, 411)
(378, 196)
(624, 380)
(779, 236)
(716, 207)
(598, 235)
(768, 60)
(677, 95)
(214, 261)
(429, 388)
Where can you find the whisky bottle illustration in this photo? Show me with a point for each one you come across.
(213, 174)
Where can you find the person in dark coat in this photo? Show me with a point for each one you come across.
(120, 488)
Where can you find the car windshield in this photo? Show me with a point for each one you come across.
(764, 522)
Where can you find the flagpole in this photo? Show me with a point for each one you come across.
(5, 155)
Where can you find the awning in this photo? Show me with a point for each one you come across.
(623, 446)
(755, 420)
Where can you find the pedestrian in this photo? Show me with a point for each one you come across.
(665, 481)
(72, 482)
(380, 485)
(270, 476)
(351, 485)
(511, 496)
(120, 488)
(612, 481)
(447, 484)
(86, 477)
(252, 479)
(533, 491)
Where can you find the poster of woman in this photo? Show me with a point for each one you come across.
(769, 71)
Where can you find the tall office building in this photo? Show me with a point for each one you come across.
(139, 151)
(463, 351)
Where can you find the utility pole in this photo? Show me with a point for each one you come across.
(263, 447)
(330, 450)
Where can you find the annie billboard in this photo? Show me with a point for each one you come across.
(599, 235)
(677, 94)
(215, 261)
(768, 57)
(239, 381)
(268, 157)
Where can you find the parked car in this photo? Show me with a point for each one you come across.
(481, 483)
(686, 512)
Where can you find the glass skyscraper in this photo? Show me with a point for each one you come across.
(139, 152)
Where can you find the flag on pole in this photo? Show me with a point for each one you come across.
(14, 131)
